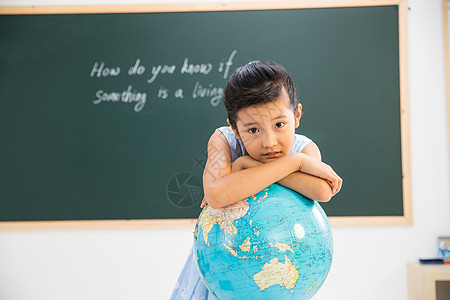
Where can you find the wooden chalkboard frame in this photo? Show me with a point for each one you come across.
(445, 9)
(406, 219)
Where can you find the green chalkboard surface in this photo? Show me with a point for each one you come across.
(107, 116)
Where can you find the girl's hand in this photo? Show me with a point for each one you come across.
(319, 169)
(204, 202)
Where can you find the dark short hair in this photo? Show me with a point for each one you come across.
(257, 83)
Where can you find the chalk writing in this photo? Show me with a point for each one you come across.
(100, 70)
(225, 67)
(163, 69)
(163, 93)
(210, 91)
(126, 96)
(192, 88)
(179, 93)
(137, 68)
(195, 69)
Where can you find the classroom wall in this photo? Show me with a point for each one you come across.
(369, 262)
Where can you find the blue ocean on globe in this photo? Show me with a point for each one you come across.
(276, 244)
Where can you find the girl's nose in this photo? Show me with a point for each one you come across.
(269, 140)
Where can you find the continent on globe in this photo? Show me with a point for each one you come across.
(282, 247)
(245, 246)
(222, 216)
(275, 272)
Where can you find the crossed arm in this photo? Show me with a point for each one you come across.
(225, 184)
(308, 185)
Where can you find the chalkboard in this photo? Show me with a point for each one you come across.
(106, 116)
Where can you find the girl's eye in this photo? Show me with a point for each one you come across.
(279, 125)
(253, 130)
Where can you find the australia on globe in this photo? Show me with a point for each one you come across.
(276, 244)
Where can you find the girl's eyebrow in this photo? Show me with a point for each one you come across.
(280, 117)
(256, 123)
(250, 124)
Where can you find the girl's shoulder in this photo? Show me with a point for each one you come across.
(229, 134)
(300, 142)
(236, 147)
(226, 130)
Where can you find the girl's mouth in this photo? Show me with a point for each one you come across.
(272, 154)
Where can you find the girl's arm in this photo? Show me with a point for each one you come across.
(222, 187)
(310, 186)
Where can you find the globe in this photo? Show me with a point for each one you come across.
(276, 244)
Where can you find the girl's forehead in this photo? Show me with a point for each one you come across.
(265, 112)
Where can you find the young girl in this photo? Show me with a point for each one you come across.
(259, 148)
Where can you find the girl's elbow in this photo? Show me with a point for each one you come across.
(324, 197)
(325, 193)
(213, 203)
(213, 198)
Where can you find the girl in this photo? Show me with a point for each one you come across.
(259, 148)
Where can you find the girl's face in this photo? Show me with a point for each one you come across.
(267, 130)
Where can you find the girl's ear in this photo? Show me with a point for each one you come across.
(234, 130)
(298, 115)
